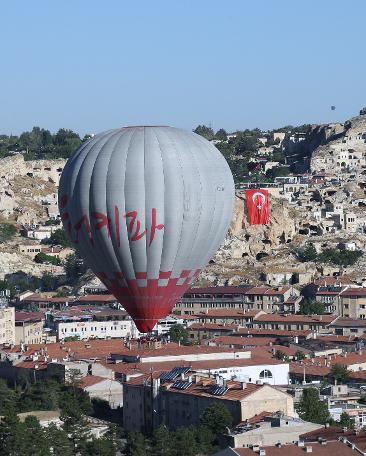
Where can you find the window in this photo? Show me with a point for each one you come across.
(265, 374)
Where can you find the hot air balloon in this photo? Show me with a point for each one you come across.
(146, 208)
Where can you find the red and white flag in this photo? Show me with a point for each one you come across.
(258, 206)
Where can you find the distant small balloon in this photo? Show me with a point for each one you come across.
(332, 108)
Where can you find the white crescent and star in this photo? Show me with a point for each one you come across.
(262, 198)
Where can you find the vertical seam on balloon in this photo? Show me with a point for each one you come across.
(104, 249)
(101, 251)
(164, 189)
(162, 162)
(203, 147)
(83, 160)
(124, 191)
(224, 225)
(181, 227)
(87, 153)
(201, 187)
(116, 247)
(147, 235)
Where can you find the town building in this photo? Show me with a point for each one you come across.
(153, 400)
(7, 325)
(288, 322)
(322, 448)
(267, 429)
(29, 327)
(91, 322)
(266, 298)
(39, 232)
(106, 389)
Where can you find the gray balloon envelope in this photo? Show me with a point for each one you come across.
(147, 208)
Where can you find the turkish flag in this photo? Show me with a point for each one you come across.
(258, 206)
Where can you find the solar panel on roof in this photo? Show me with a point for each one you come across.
(174, 373)
(182, 384)
(217, 390)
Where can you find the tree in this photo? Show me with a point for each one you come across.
(8, 398)
(339, 373)
(59, 237)
(216, 418)
(346, 421)
(205, 440)
(299, 355)
(48, 259)
(136, 445)
(311, 408)
(34, 438)
(184, 442)
(74, 268)
(311, 307)
(221, 135)
(178, 333)
(307, 253)
(161, 443)
(103, 446)
(204, 131)
(279, 354)
(10, 435)
(7, 231)
(48, 282)
(59, 442)
(340, 257)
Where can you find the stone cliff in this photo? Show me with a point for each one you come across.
(28, 189)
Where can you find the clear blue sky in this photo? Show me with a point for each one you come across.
(93, 65)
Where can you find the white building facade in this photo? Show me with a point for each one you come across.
(96, 329)
(273, 374)
(7, 325)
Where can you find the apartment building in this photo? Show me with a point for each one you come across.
(345, 301)
(316, 323)
(266, 298)
(177, 399)
(7, 325)
(85, 322)
(29, 327)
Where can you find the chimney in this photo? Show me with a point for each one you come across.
(243, 385)
(300, 443)
(197, 378)
(262, 452)
(308, 449)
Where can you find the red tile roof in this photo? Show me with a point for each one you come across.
(227, 313)
(349, 322)
(104, 348)
(241, 341)
(262, 358)
(97, 298)
(29, 316)
(310, 369)
(234, 392)
(91, 380)
(274, 332)
(329, 433)
(218, 290)
(330, 449)
(213, 327)
(290, 318)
